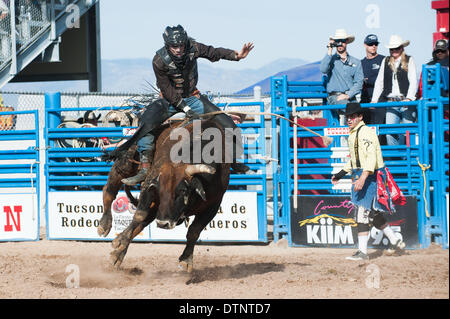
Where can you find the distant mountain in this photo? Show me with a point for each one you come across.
(134, 75)
(308, 72)
(228, 81)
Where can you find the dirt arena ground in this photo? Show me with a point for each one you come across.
(272, 271)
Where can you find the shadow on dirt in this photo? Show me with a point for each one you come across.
(233, 272)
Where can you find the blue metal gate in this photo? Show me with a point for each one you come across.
(425, 146)
(19, 176)
(74, 171)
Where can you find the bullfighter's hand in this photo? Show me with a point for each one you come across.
(334, 181)
(359, 183)
(245, 51)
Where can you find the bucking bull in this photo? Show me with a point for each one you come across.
(170, 193)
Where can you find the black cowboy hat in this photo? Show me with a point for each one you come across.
(353, 108)
(90, 115)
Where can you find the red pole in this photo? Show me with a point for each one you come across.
(407, 139)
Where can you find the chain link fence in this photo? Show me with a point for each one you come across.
(102, 105)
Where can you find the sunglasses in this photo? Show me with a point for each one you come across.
(372, 44)
(439, 51)
(340, 41)
(395, 49)
(352, 116)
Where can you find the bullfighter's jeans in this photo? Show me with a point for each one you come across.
(147, 142)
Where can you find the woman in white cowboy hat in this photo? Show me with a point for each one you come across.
(397, 81)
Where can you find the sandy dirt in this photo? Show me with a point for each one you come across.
(44, 269)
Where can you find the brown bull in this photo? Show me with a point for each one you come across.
(171, 193)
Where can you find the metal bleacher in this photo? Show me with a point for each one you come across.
(31, 30)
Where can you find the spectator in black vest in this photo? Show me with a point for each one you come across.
(371, 65)
(397, 81)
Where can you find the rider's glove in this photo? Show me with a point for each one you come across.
(187, 110)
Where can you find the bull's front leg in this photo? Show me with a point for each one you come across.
(110, 191)
(121, 169)
(186, 259)
(144, 215)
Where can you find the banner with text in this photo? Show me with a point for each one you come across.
(19, 217)
(328, 221)
(75, 215)
(236, 220)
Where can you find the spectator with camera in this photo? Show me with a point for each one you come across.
(345, 75)
(344, 72)
(397, 81)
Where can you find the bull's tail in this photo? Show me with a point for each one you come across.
(130, 196)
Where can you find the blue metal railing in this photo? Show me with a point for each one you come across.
(65, 170)
(425, 145)
(21, 157)
(435, 150)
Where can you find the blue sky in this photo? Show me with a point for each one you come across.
(279, 29)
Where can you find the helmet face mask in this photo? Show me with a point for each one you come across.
(175, 36)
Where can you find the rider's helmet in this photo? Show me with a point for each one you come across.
(175, 36)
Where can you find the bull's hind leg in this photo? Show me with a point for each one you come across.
(186, 259)
(144, 215)
(121, 169)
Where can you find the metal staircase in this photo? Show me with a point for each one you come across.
(31, 29)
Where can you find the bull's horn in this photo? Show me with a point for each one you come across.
(154, 183)
(199, 168)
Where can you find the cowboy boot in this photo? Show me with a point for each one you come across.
(146, 161)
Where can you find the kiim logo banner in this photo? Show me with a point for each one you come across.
(329, 221)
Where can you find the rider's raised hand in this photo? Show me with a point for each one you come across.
(245, 51)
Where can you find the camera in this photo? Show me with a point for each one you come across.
(335, 44)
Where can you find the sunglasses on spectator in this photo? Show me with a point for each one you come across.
(396, 49)
(439, 51)
(340, 41)
(372, 44)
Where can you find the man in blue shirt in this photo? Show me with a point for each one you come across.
(345, 75)
(371, 65)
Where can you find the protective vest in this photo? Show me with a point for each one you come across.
(183, 80)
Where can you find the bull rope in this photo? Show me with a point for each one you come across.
(325, 139)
